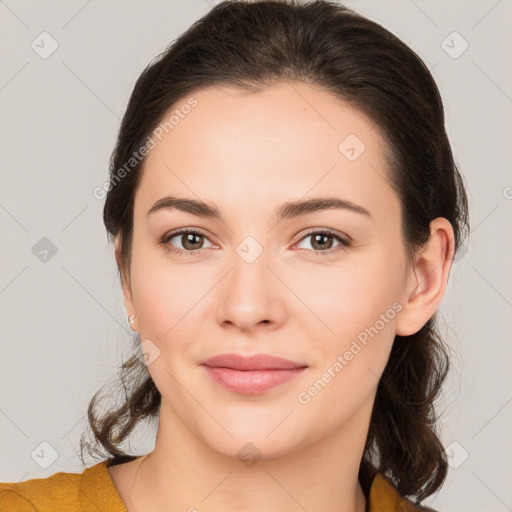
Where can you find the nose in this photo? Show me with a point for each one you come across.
(250, 295)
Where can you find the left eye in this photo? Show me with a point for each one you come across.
(322, 240)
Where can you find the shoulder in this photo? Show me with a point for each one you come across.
(93, 488)
(384, 497)
(12, 501)
(40, 493)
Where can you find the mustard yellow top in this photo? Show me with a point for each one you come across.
(93, 490)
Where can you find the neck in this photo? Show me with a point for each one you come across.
(182, 474)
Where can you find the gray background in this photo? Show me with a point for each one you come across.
(63, 325)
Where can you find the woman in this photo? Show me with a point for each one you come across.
(285, 210)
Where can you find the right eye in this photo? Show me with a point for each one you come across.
(188, 237)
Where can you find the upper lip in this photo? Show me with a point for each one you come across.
(252, 362)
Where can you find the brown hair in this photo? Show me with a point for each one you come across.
(253, 45)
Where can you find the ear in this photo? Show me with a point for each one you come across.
(125, 281)
(427, 279)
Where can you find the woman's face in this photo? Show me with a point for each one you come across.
(253, 282)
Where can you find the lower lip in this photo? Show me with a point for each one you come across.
(251, 382)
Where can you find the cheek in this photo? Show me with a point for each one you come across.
(164, 294)
(350, 360)
(346, 299)
(355, 307)
(167, 300)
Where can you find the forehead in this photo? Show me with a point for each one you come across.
(245, 148)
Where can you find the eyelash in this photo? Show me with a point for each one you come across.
(344, 243)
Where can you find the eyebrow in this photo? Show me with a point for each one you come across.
(287, 210)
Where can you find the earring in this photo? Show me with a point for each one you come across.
(131, 319)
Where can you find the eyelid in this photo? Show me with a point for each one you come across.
(189, 229)
(344, 241)
(328, 231)
(181, 231)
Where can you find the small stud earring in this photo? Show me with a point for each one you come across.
(131, 319)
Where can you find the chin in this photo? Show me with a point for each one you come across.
(255, 440)
(248, 450)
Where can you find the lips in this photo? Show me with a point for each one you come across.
(254, 362)
(251, 375)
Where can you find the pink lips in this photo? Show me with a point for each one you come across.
(251, 375)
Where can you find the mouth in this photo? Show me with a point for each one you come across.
(251, 375)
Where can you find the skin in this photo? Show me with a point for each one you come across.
(248, 153)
